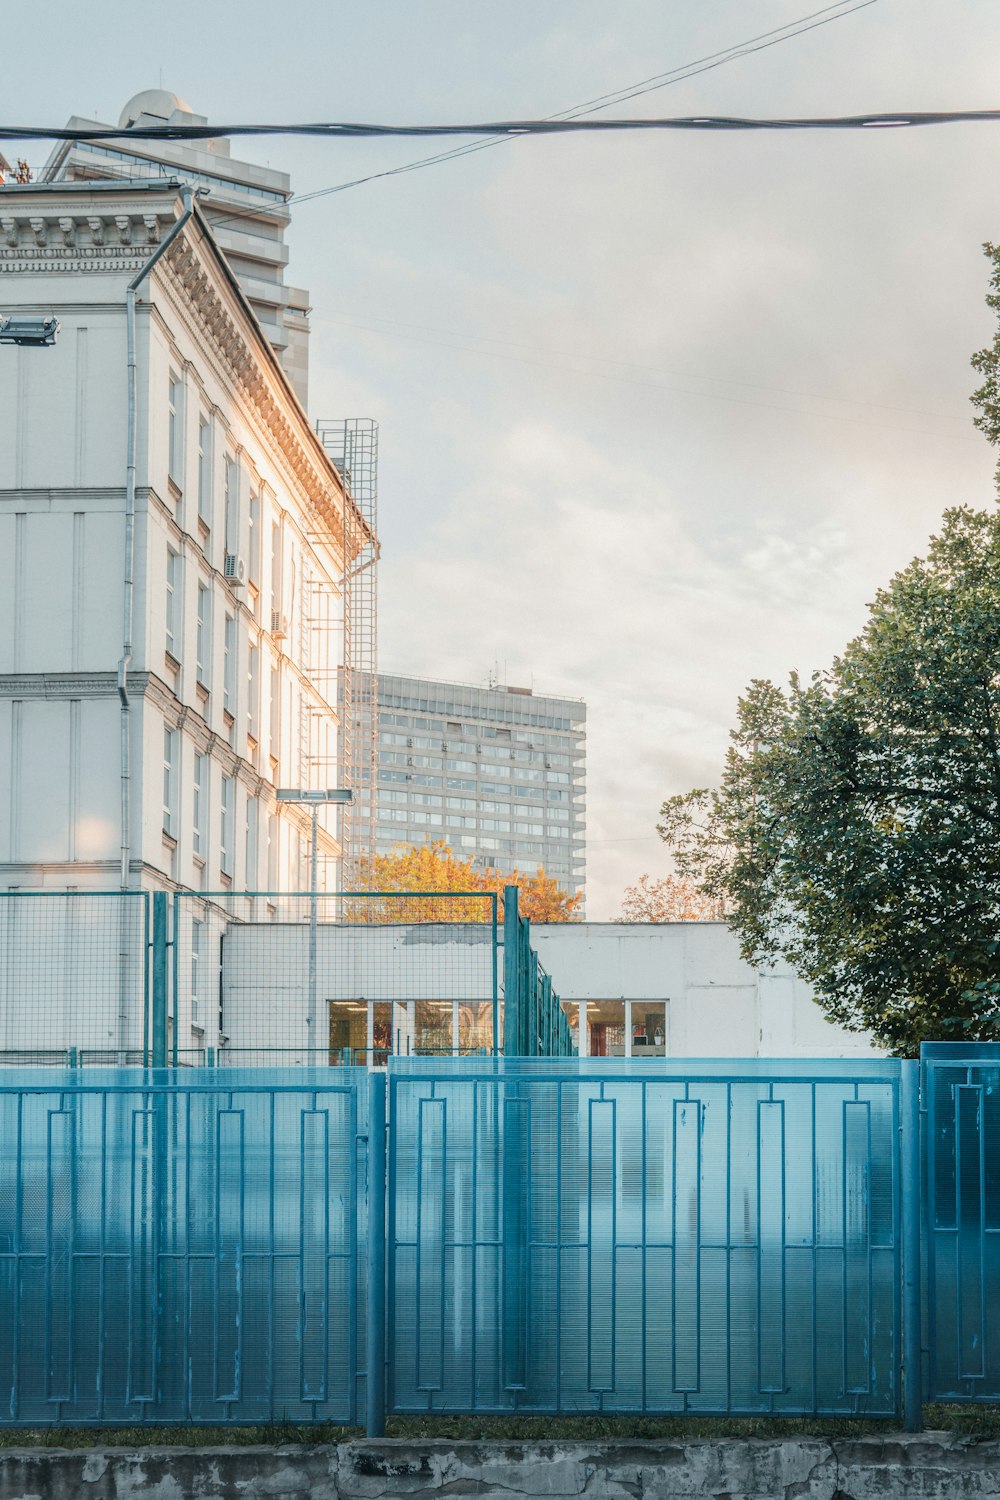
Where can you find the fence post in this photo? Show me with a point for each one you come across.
(909, 1172)
(375, 1382)
(511, 972)
(547, 1028)
(159, 979)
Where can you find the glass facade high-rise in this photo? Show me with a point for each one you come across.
(497, 772)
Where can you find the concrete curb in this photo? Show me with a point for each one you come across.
(928, 1465)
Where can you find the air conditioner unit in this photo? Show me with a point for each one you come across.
(279, 624)
(235, 569)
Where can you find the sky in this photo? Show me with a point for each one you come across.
(658, 413)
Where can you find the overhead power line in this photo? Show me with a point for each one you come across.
(678, 74)
(352, 130)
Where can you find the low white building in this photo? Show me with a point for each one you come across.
(169, 606)
(630, 989)
(681, 989)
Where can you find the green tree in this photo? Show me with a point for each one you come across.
(856, 831)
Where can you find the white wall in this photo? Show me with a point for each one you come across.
(716, 1005)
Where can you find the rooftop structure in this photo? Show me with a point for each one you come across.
(246, 204)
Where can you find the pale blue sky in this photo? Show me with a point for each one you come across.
(658, 414)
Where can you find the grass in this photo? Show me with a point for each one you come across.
(970, 1422)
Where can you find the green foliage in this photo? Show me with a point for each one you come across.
(856, 831)
(987, 362)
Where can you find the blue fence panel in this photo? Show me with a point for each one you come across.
(962, 1219)
(586, 1236)
(181, 1247)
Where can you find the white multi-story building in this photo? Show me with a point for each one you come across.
(169, 580)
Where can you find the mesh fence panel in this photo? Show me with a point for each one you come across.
(74, 978)
(292, 980)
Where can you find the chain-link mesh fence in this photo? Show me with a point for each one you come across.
(74, 978)
(289, 980)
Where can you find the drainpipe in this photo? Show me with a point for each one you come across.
(187, 198)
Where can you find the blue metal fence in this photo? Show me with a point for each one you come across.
(962, 1103)
(716, 1237)
(517, 1234)
(182, 1247)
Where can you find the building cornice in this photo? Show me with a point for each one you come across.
(70, 228)
(59, 685)
(54, 237)
(254, 374)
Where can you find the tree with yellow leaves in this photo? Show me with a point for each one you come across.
(675, 898)
(434, 868)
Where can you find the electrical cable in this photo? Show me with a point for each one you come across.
(678, 74)
(356, 130)
(647, 85)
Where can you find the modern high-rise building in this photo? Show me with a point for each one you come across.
(498, 772)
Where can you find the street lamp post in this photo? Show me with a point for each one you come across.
(313, 800)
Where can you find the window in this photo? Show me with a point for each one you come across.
(229, 664)
(275, 726)
(199, 806)
(226, 825)
(253, 557)
(197, 937)
(169, 781)
(272, 852)
(204, 638)
(253, 689)
(205, 470)
(253, 814)
(230, 512)
(461, 765)
(173, 603)
(606, 1028)
(275, 569)
(175, 420)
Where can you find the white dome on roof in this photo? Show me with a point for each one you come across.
(160, 103)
